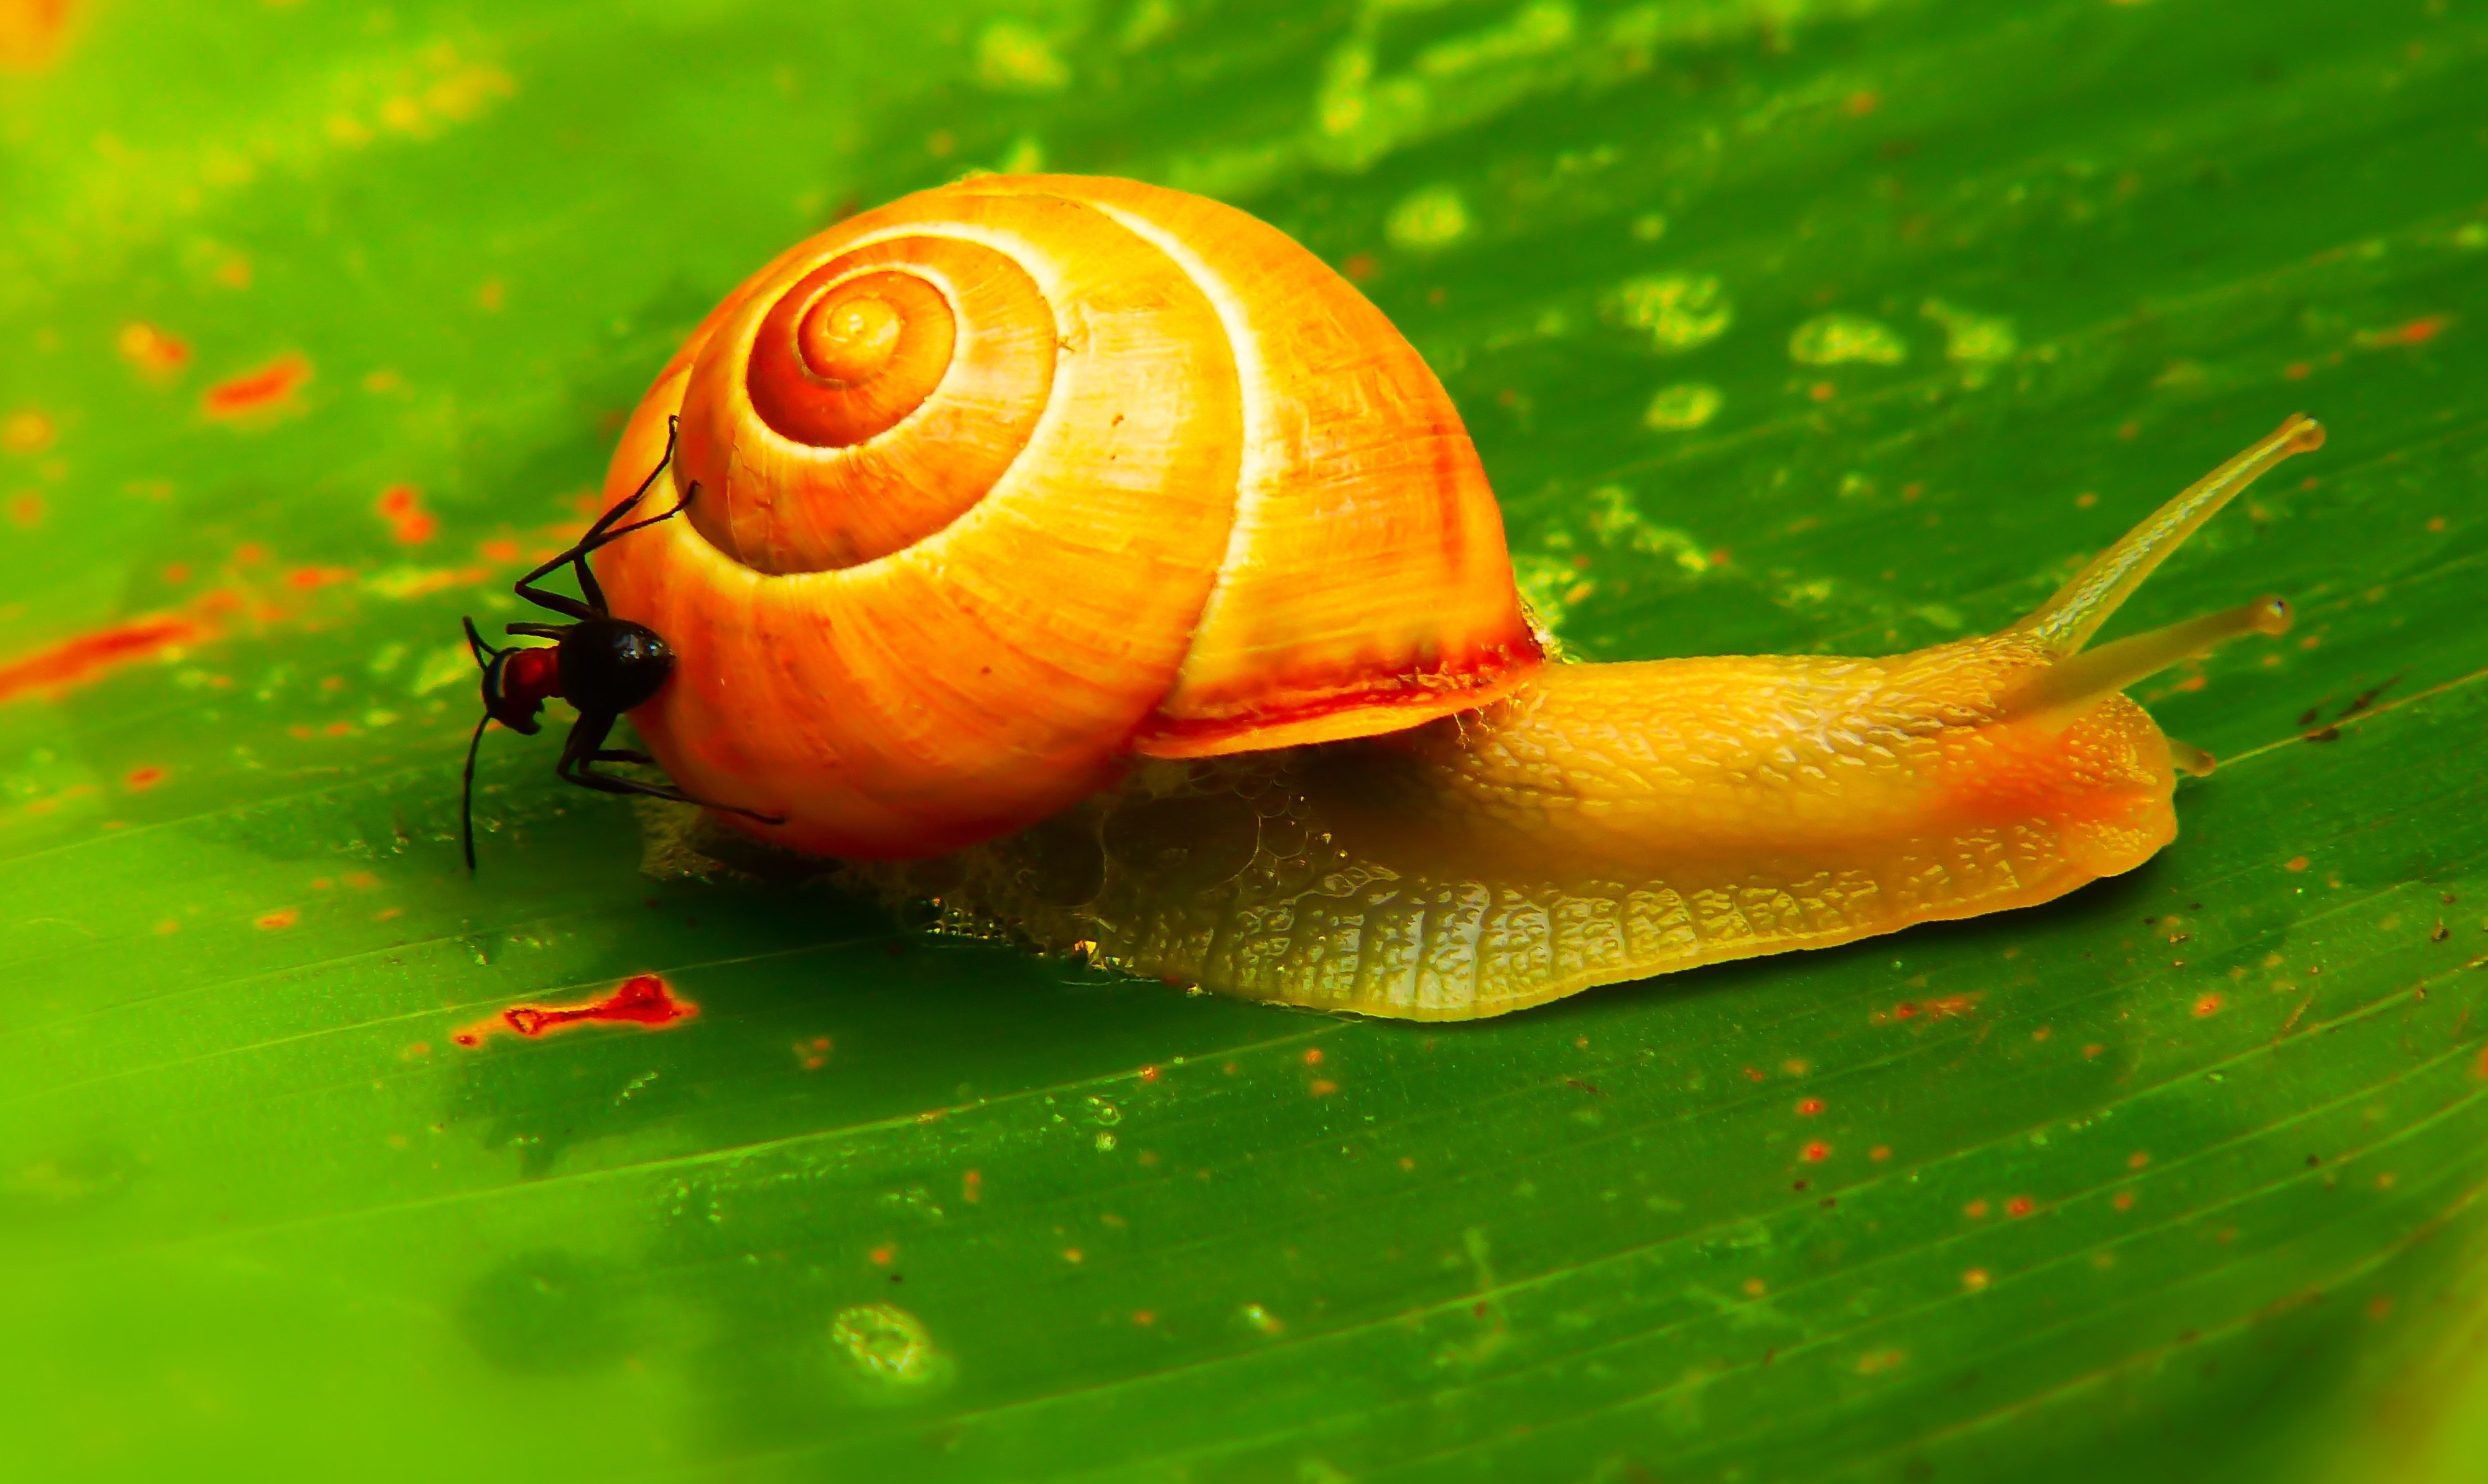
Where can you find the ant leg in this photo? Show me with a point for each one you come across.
(621, 755)
(597, 535)
(583, 750)
(579, 557)
(554, 631)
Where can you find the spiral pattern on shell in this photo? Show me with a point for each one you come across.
(1008, 482)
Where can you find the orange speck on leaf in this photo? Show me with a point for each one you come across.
(30, 32)
(1314, 1057)
(1862, 103)
(139, 780)
(642, 999)
(2124, 1200)
(1976, 1209)
(1822, 391)
(2294, 863)
(168, 927)
(1879, 1153)
(282, 917)
(1974, 1280)
(2298, 371)
(1144, 1316)
(882, 1255)
(234, 272)
(2138, 1160)
(1358, 267)
(491, 296)
(1321, 1087)
(499, 550)
(2413, 332)
(2020, 1206)
(73, 662)
(26, 509)
(401, 507)
(270, 388)
(2206, 1006)
(971, 1186)
(310, 579)
(1814, 1152)
(1072, 1254)
(1807, 1108)
(27, 431)
(157, 356)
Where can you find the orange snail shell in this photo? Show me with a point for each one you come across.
(1007, 483)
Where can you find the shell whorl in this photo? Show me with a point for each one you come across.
(1006, 482)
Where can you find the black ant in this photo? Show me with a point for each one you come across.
(600, 665)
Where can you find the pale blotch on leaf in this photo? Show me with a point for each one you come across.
(1828, 340)
(1682, 407)
(1618, 525)
(1013, 57)
(888, 1347)
(1678, 311)
(1025, 156)
(1549, 585)
(1970, 338)
(1428, 220)
(445, 666)
(1650, 226)
(2470, 235)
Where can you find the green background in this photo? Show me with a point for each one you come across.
(2177, 1178)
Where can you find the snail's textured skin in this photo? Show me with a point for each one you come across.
(1608, 823)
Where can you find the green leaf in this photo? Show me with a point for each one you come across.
(1782, 324)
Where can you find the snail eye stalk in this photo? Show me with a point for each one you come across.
(600, 665)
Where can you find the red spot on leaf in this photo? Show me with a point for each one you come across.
(642, 999)
(282, 917)
(74, 661)
(157, 356)
(26, 509)
(1814, 1152)
(311, 579)
(1807, 1108)
(270, 388)
(1359, 267)
(141, 779)
(2020, 1206)
(971, 1186)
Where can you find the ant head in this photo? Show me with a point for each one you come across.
(517, 681)
(611, 666)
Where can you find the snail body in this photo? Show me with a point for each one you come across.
(1206, 660)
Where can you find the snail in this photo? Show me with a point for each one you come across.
(1090, 558)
